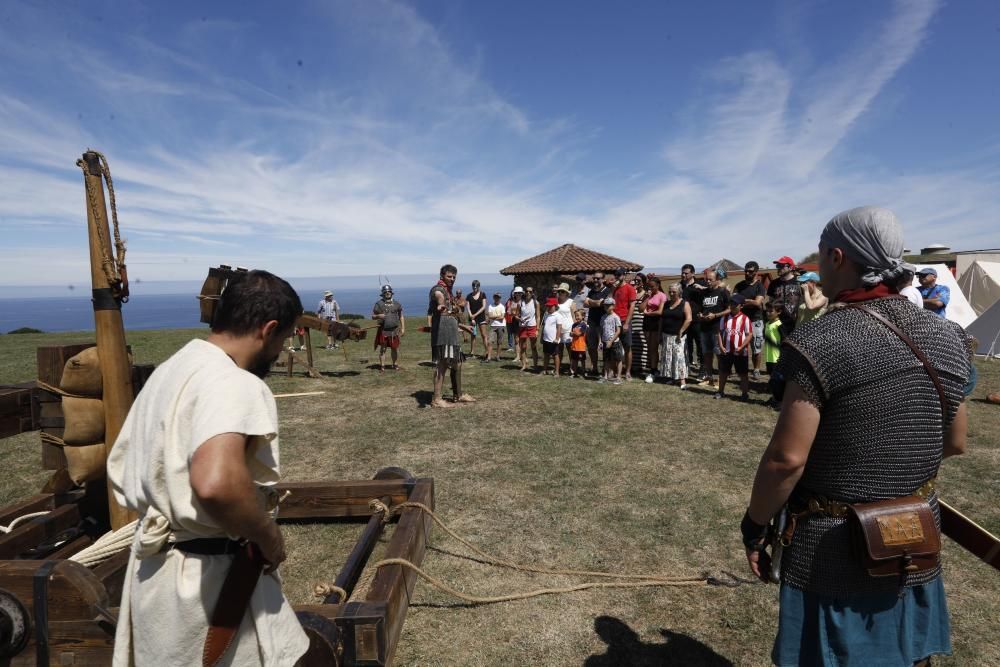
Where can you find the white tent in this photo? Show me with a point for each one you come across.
(958, 309)
(986, 329)
(981, 285)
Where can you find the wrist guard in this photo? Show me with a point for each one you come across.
(754, 534)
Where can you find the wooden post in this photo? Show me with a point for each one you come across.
(108, 324)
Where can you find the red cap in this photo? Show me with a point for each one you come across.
(552, 302)
(785, 260)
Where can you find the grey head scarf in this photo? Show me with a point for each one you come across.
(872, 237)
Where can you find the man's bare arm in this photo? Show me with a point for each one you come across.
(222, 484)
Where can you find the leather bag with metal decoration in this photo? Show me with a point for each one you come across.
(896, 537)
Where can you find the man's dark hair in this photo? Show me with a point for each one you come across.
(448, 268)
(752, 265)
(687, 267)
(252, 299)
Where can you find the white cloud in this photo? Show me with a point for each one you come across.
(430, 163)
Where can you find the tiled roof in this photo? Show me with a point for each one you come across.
(567, 259)
(728, 264)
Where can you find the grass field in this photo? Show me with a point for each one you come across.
(568, 473)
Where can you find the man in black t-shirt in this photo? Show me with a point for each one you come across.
(692, 290)
(714, 305)
(787, 290)
(752, 289)
(600, 289)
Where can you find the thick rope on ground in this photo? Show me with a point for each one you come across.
(493, 560)
(471, 599)
(631, 580)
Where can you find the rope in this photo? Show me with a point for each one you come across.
(53, 439)
(106, 546)
(56, 390)
(24, 517)
(114, 267)
(493, 560)
(471, 599)
(632, 580)
(322, 590)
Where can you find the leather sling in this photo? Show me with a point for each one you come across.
(898, 536)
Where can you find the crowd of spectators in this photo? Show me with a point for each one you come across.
(700, 329)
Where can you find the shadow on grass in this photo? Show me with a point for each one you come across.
(339, 374)
(424, 398)
(625, 648)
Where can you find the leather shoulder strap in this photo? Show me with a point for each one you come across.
(916, 350)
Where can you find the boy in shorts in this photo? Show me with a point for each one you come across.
(614, 351)
(734, 336)
(552, 336)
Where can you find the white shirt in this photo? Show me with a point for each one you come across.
(497, 314)
(528, 316)
(566, 314)
(328, 309)
(913, 294)
(550, 324)
(195, 395)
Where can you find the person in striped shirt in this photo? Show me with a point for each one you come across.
(734, 336)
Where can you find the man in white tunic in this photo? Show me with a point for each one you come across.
(195, 459)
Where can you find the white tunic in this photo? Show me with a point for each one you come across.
(168, 596)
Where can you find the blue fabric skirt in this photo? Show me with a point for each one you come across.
(874, 630)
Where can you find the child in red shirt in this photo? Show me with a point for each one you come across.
(734, 337)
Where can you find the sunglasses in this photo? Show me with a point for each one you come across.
(783, 266)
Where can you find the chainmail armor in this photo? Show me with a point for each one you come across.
(881, 433)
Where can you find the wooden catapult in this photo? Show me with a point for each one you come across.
(57, 611)
(216, 282)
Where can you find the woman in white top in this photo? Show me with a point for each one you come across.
(528, 331)
(566, 308)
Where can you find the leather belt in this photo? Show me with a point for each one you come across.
(206, 546)
(822, 505)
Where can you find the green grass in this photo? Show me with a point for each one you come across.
(567, 473)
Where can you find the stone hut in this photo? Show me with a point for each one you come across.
(562, 264)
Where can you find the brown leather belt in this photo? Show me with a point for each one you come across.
(834, 508)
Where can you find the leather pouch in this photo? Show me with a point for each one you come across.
(896, 537)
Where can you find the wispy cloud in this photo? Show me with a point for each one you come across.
(416, 158)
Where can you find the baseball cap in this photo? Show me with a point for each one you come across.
(609, 301)
(927, 271)
(563, 287)
(785, 260)
(720, 272)
(581, 276)
(809, 276)
(620, 272)
(518, 290)
(738, 300)
(328, 293)
(751, 266)
(497, 294)
(551, 301)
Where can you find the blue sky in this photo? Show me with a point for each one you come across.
(323, 138)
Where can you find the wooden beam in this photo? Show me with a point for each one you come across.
(80, 643)
(34, 531)
(336, 500)
(72, 588)
(393, 585)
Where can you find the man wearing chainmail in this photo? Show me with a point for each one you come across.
(862, 421)
(446, 339)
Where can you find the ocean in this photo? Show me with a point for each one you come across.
(180, 311)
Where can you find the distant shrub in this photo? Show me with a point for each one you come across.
(351, 316)
(25, 330)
